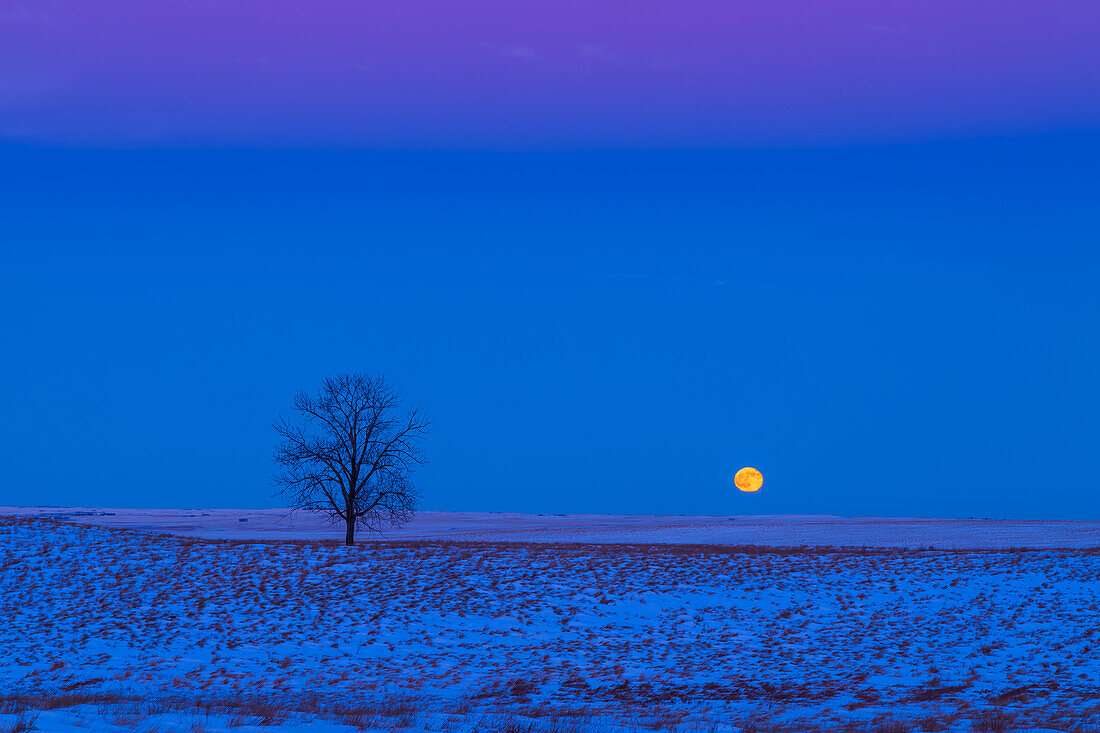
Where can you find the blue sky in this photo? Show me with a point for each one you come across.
(891, 329)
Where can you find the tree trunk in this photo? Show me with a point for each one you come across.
(349, 536)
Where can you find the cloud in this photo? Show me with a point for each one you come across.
(591, 50)
(21, 13)
(597, 54)
(880, 29)
(515, 51)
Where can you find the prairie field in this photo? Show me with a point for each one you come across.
(116, 629)
(784, 530)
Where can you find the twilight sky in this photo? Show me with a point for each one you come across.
(563, 74)
(617, 250)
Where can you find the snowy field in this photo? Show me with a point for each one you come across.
(109, 629)
(773, 531)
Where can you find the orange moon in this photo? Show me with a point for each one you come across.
(748, 479)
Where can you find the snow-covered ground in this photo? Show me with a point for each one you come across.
(108, 629)
(773, 531)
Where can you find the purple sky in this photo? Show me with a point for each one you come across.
(566, 73)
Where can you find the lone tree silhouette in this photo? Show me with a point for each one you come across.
(349, 453)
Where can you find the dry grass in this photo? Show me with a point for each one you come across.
(992, 722)
(404, 714)
(22, 722)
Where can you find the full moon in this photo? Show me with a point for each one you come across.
(748, 479)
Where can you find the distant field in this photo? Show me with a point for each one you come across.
(111, 630)
(772, 531)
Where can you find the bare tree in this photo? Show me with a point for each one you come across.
(350, 452)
